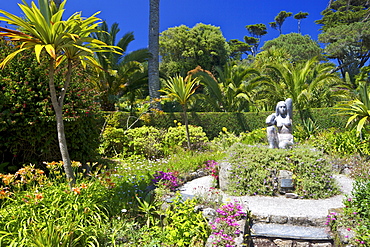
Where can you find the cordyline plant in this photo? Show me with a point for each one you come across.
(43, 30)
(181, 89)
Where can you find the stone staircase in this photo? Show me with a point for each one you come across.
(280, 221)
(284, 231)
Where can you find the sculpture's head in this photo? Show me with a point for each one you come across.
(281, 108)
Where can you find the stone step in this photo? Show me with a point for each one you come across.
(287, 231)
(291, 220)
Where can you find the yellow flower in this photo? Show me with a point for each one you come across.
(175, 121)
(224, 129)
(178, 124)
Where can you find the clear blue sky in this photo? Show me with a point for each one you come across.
(230, 15)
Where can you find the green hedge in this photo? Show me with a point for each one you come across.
(213, 122)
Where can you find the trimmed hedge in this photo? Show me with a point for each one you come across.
(213, 122)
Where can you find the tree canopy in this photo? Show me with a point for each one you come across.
(183, 48)
(346, 33)
(341, 12)
(298, 46)
(279, 20)
(256, 31)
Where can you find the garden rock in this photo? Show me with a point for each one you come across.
(224, 173)
(291, 195)
(210, 214)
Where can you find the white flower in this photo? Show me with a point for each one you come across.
(124, 210)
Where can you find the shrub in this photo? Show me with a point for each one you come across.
(255, 169)
(27, 122)
(176, 136)
(183, 226)
(355, 216)
(143, 141)
(225, 139)
(150, 142)
(342, 143)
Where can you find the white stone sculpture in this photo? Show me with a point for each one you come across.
(279, 125)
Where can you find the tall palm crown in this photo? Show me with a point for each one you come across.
(121, 72)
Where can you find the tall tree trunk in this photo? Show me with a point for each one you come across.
(58, 108)
(153, 63)
(186, 125)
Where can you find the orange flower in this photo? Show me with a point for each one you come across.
(83, 186)
(38, 196)
(40, 172)
(76, 190)
(4, 193)
(7, 178)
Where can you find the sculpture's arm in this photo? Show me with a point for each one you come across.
(271, 119)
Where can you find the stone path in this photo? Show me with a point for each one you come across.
(301, 218)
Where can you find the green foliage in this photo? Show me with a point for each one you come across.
(145, 141)
(302, 81)
(279, 20)
(226, 139)
(308, 129)
(27, 122)
(176, 136)
(148, 141)
(301, 48)
(45, 212)
(213, 122)
(254, 170)
(343, 12)
(350, 45)
(231, 89)
(183, 48)
(346, 34)
(257, 31)
(342, 143)
(356, 214)
(123, 73)
(299, 16)
(183, 226)
(181, 89)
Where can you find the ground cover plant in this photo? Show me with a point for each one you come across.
(255, 170)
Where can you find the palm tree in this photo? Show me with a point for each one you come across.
(121, 73)
(358, 109)
(46, 33)
(301, 81)
(181, 90)
(232, 90)
(153, 65)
